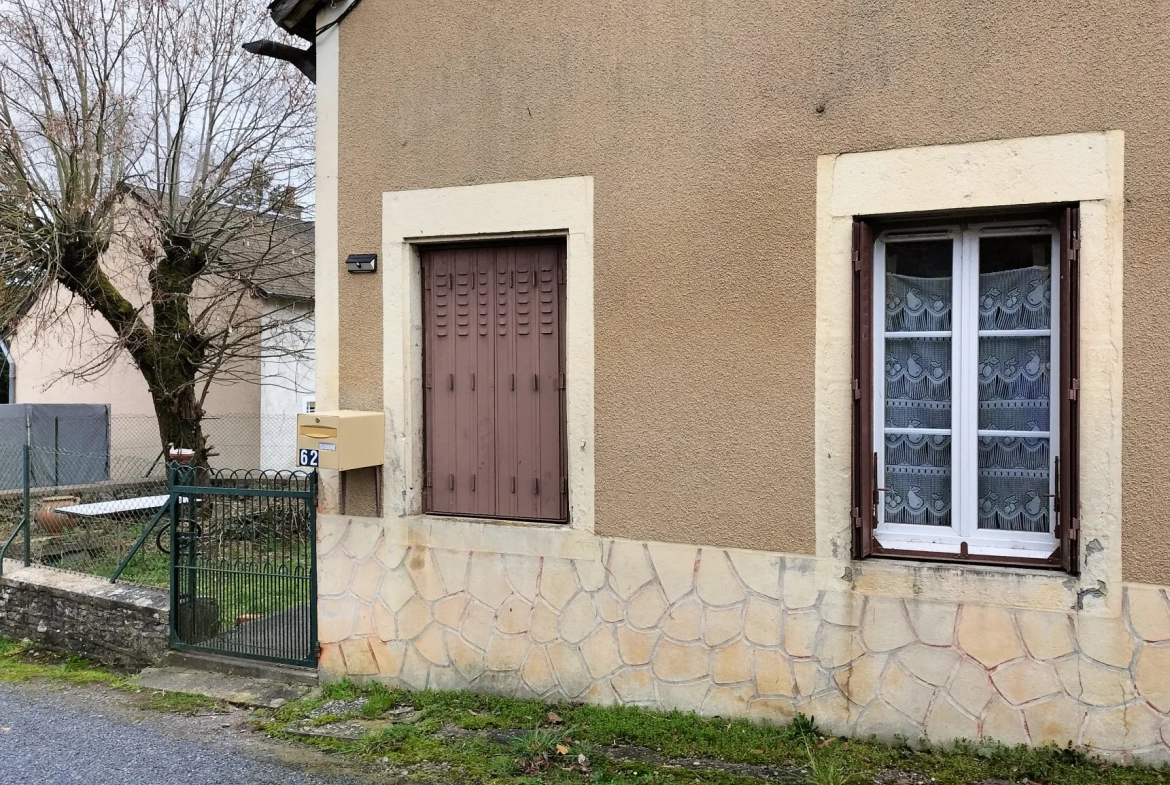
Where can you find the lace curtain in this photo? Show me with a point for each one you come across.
(1015, 384)
(1014, 388)
(918, 395)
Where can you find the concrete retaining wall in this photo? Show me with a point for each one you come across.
(115, 624)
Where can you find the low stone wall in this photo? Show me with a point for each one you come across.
(115, 624)
(741, 633)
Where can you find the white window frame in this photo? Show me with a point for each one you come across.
(964, 429)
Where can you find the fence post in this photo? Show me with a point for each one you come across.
(174, 553)
(27, 519)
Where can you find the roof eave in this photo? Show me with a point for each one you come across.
(298, 17)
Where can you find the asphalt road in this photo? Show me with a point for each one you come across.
(50, 737)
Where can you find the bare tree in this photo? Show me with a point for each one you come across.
(147, 169)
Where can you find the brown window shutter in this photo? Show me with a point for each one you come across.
(493, 359)
(1067, 482)
(863, 506)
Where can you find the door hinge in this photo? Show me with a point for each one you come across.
(535, 486)
(1074, 387)
(856, 260)
(473, 483)
(561, 381)
(857, 389)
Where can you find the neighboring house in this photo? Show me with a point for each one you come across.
(286, 361)
(753, 359)
(59, 358)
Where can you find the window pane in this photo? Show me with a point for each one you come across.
(1014, 484)
(918, 286)
(918, 479)
(918, 382)
(1015, 283)
(1015, 382)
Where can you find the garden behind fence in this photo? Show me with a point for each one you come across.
(88, 507)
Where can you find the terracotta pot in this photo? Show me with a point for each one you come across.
(53, 522)
(181, 455)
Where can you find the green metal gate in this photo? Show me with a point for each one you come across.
(243, 563)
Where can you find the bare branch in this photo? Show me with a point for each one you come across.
(148, 167)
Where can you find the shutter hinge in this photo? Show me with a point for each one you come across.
(856, 260)
(561, 274)
(430, 381)
(857, 389)
(1073, 386)
(430, 480)
(855, 514)
(1074, 528)
(564, 486)
(561, 381)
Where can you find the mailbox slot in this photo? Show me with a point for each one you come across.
(318, 432)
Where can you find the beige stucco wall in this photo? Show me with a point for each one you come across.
(701, 126)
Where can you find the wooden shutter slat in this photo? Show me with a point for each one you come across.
(1068, 494)
(864, 482)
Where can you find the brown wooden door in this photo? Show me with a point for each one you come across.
(493, 354)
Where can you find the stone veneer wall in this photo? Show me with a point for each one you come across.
(738, 633)
(115, 624)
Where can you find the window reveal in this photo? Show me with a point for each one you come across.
(964, 391)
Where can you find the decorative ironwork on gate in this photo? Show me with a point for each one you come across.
(243, 563)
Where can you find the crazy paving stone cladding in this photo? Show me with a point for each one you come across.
(734, 633)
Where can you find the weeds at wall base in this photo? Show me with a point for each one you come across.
(489, 739)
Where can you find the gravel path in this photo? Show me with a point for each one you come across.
(50, 737)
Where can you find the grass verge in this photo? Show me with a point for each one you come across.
(20, 661)
(460, 733)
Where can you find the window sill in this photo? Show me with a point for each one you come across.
(1030, 585)
(450, 518)
(1039, 560)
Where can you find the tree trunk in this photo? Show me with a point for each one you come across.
(180, 425)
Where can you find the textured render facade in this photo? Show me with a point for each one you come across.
(704, 166)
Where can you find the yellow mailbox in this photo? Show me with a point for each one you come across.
(341, 440)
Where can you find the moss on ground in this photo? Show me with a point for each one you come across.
(465, 738)
(580, 743)
(21, 662)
